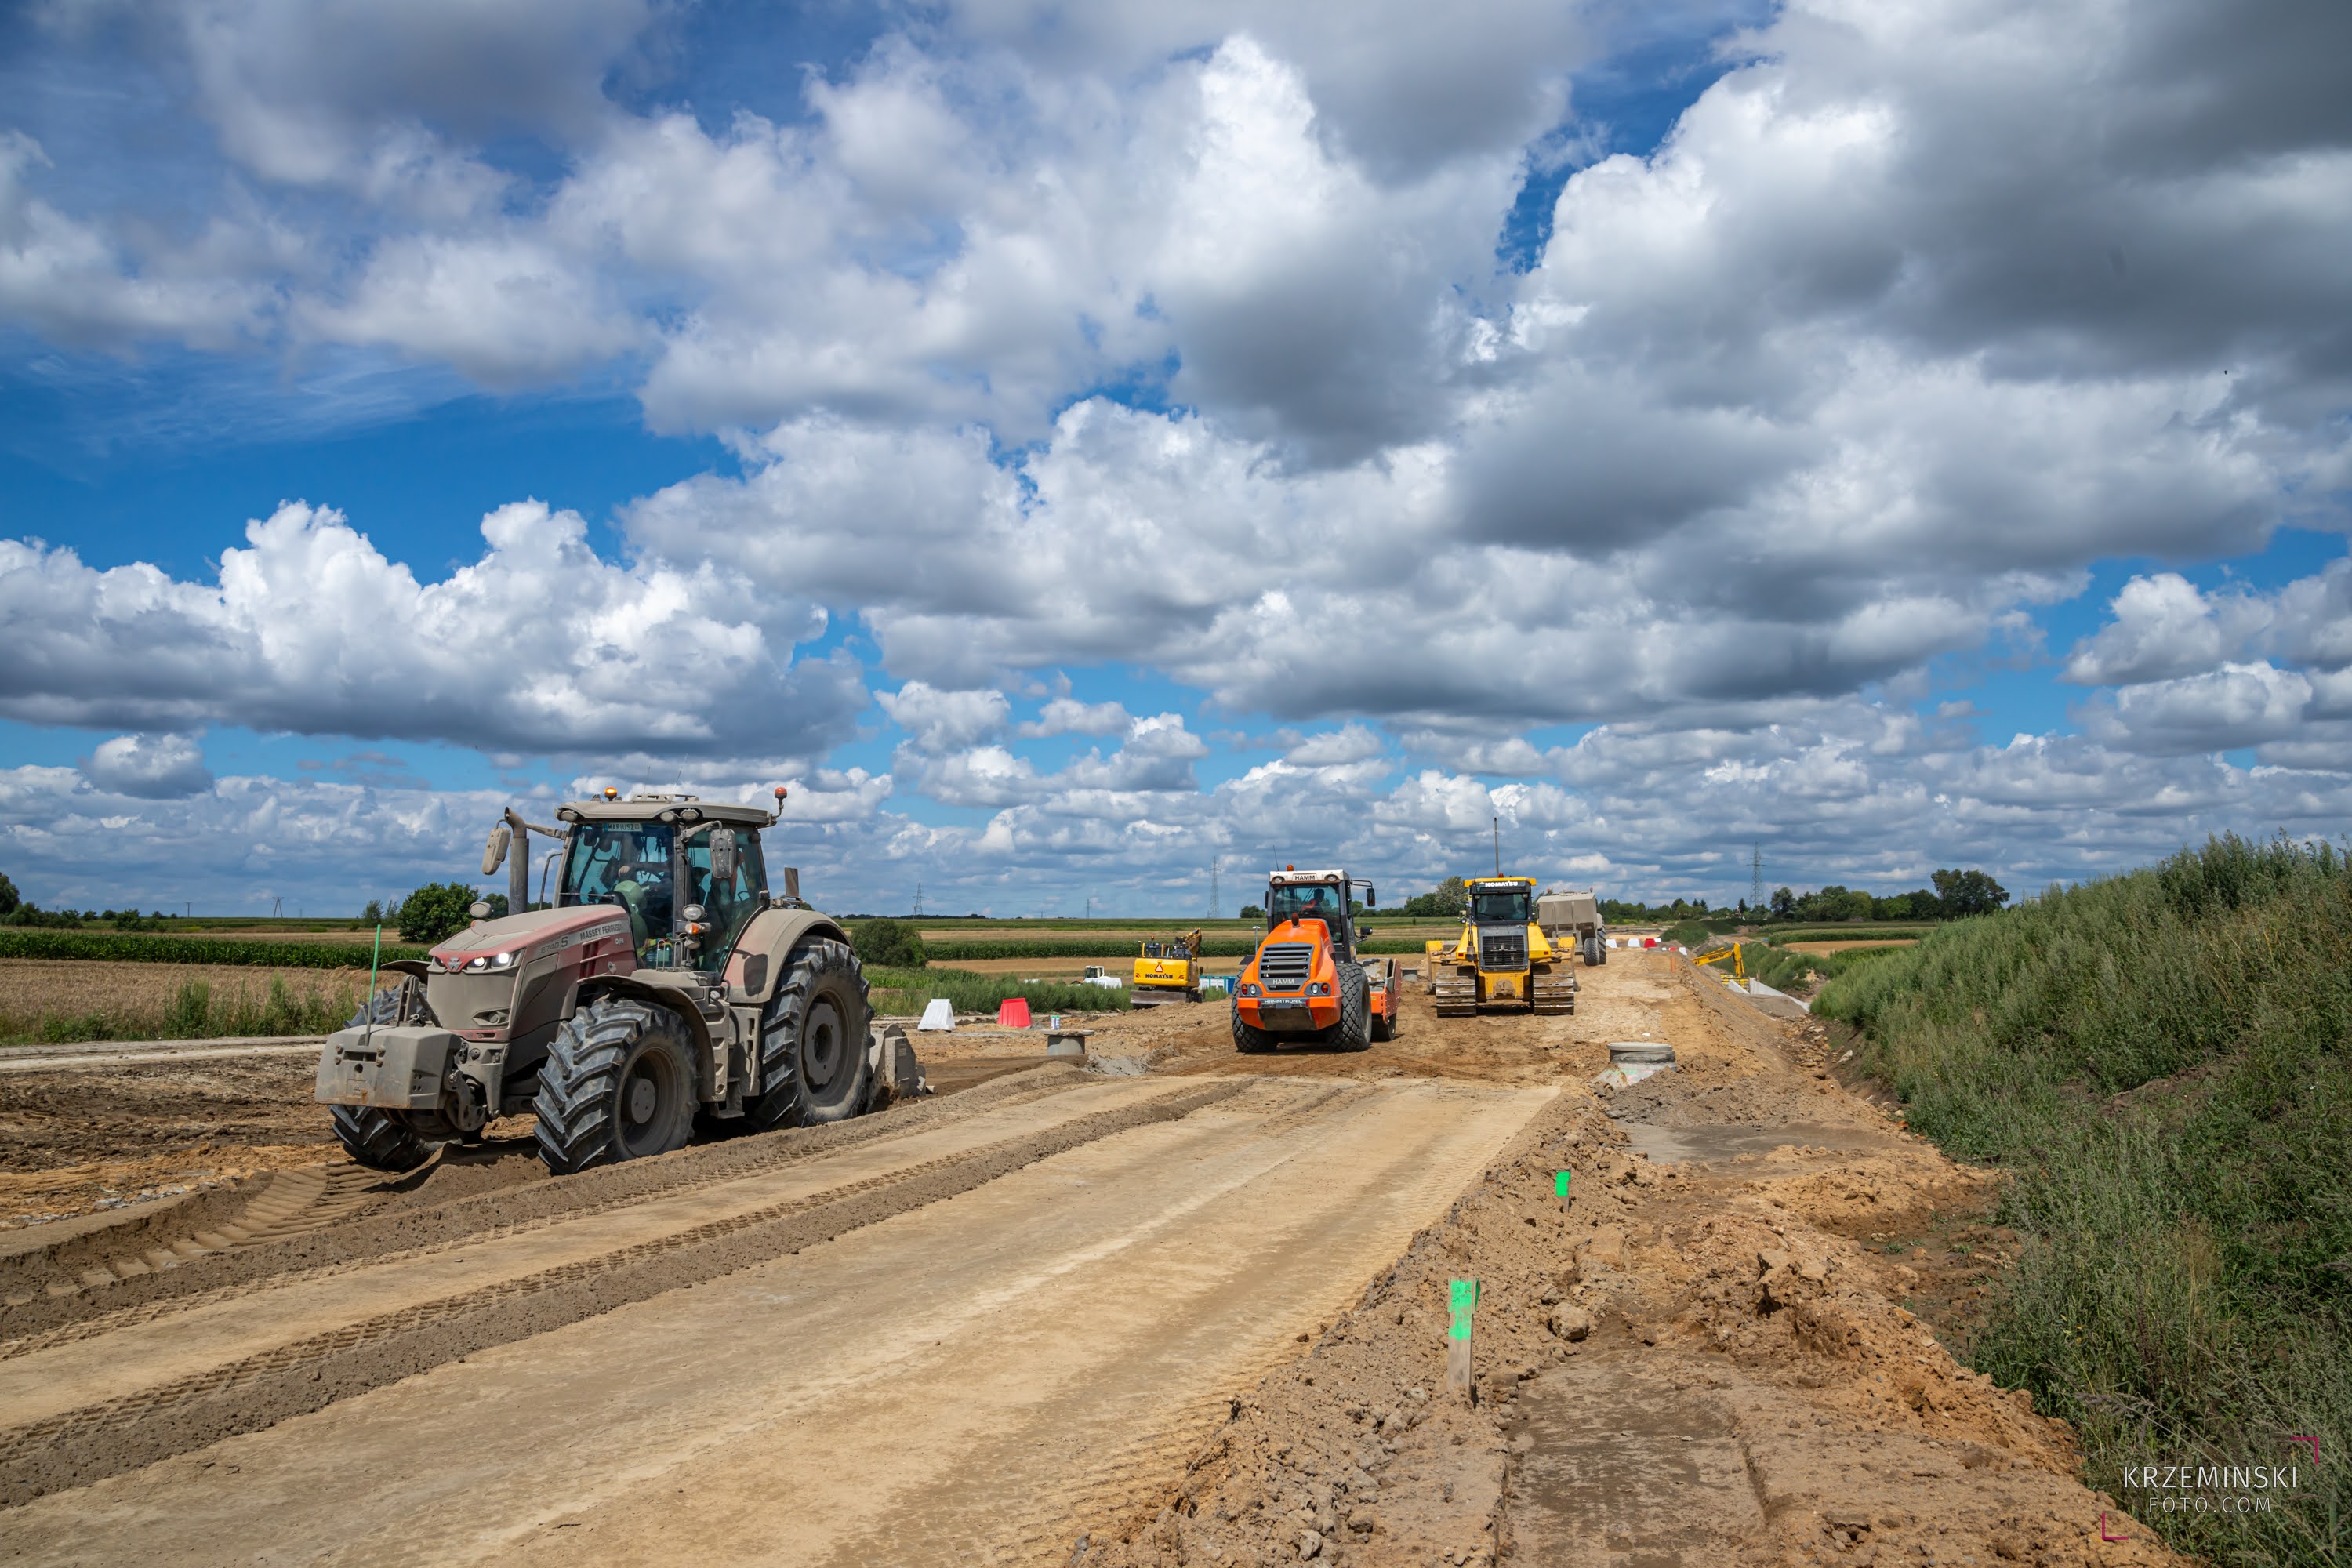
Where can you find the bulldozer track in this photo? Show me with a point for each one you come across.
(82, 1445)
(61, 1311)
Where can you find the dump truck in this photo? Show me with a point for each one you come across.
(1503, 959)
(1167, 969)
(665, 988)
(1572, 919)
(1306, 982)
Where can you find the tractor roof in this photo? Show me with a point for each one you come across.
(1502, 881)
(666, 808)
(1275, 878)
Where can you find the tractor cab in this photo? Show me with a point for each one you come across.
(688, 884)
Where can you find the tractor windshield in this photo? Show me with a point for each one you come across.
(627, 864)
(1499, 906)
(1303, 902)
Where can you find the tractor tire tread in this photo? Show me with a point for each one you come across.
(577, 1083)
(782, 1102)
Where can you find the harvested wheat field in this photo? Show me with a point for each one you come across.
(72, 999)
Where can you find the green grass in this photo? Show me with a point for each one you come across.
(1792, 971)
(125, 947)
(904, 990)
(1855, 930)
(195, 1011)
(2160, 1059)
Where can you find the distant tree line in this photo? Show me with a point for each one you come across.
(16, 910)
(1956, 895)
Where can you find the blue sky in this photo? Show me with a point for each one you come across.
(1076, 450)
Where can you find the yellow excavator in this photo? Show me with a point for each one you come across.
(1739, 963)
(1167, 969)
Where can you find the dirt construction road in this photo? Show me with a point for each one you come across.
(1187, 1315)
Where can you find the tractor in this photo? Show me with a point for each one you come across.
(1503, 957)
(664, 990)
(1307, 980)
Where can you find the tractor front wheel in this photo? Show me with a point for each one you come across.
(617, 1084)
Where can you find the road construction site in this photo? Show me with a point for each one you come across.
(1163, 1303)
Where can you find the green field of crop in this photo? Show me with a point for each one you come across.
(136, 947)
(2162, 1061)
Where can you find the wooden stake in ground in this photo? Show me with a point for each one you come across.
(1560, 1182)
(1458, 1375)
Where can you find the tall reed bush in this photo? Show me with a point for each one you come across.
(2161, 1060)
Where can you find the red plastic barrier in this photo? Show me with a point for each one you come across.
(1012, 1012)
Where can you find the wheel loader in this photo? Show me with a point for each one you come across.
(1503, 959)
(1307, 981)
(665, 989)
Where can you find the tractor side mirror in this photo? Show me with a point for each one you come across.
(1372, 898)
(494, 853)
(722, 853)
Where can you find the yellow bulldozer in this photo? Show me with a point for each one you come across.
(1503, 959)
(1167, 969)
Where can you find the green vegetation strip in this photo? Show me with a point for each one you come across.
(2160, 1058)
(904, 990)
(196, 1012)
(134, 947)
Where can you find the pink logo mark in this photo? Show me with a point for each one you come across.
(2102, 1529)
(2314, 1443)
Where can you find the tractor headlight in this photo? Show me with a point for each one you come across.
(493, 961)
(1250, 988)
(1318, 989)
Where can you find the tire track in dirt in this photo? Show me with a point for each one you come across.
(85, 1444)
(50, 1303)
(1302, 1256)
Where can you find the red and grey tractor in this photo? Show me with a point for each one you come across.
(664, 989)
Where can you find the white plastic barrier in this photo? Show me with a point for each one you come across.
(940, 1015)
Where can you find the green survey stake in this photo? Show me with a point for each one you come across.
(1464, 1302)
(1560, 1183)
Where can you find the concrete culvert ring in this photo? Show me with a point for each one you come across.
(1640, 1053)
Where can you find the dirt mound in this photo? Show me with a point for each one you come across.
(1684, 1360)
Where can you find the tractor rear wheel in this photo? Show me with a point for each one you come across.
(813, 1066)
(617, 1084)
(380, 1140)
(1248, 1039)
(1353, 1032)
